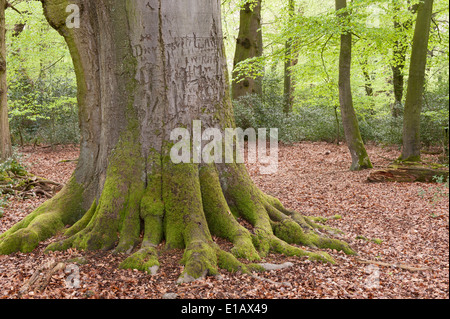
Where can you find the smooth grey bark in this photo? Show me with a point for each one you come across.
(249, 44)
(416, 81)
(5, 136)
(360, 159)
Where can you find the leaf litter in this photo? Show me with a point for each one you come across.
(400, 231)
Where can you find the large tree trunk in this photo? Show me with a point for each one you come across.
(145, 68)
(416, 82)
(249, 44)
(5, 136)
(360, 159)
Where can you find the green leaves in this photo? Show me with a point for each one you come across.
(41, 79)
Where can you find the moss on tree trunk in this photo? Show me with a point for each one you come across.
(126, 194)
(413, 104)
(248, 45)
(5, 137)
(360, 159)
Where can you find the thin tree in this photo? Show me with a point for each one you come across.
(5, 136)
(249, 44)
(416, 81)
(360, 159)
(145, 69)
(288, 64)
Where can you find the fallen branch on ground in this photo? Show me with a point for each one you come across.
(42, 276)
(29, 186)
(404, 173)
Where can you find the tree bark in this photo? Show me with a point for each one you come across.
(416, 82)
(399, 62)
(249, 44)
(5, 136)
(143, 70)
(360, 159)
(288, 64)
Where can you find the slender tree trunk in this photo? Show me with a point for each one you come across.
(5, 136)
(360, 159)
(399, 62)
(416, 82)
(249, 44)
(144, 69)
(288, 63)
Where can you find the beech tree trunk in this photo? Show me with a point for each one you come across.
(416, 82)
(249, 44)
(5, 136)
(288, 64)
(399, 61)
(360, 159)
(145, 68)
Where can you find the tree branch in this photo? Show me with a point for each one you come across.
(9, 5)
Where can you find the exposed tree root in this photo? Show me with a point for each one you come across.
(16, 181)
(42, 276)
(184, 205)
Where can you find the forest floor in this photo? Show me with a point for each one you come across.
(397, 226)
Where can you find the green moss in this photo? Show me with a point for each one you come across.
(377, 241)
(200, 259)
(221, 221)
(291, 232)
(229, 262)
(279, 246)
(78, 260)
(184, 220)
(83, 222)
(246, 197)
(63, 209)
(261, 241)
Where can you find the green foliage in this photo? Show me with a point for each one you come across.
(11, 166)
(42, 85)
(314, 33)
(436, 193)
(309, 123)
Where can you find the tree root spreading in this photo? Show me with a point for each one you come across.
(184, 206)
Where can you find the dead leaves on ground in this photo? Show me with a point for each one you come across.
(314, 179)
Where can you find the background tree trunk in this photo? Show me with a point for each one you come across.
(249, 44)
(416, 82)
(5, 136)
(288, 63)
(399, 62)
(360, 159)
